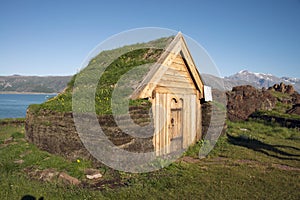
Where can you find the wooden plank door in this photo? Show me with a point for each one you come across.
(175, 130)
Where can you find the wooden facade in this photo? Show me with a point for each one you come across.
(175, 88)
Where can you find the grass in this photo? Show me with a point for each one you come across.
(15, 183)
(215, 181)
(127, 58)
(254, 140)
(280, 95)
(276, 113)
(252, 161)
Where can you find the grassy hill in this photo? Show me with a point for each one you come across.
(39, 84)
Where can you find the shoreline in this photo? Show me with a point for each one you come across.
(14, 92)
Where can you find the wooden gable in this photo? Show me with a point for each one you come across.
(176, 79)
(175, 70)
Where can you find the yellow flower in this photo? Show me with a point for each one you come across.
(78, 161)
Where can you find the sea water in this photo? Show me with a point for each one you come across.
(15, 105)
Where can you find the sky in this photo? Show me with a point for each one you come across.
(54, 37)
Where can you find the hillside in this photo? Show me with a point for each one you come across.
(38, 84)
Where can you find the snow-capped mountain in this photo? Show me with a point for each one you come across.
(292, 81)
(262, 80)
(246, 77)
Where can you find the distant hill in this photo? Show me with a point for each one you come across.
(55, 84)
(39, 84)
(222, 83)
(245, 77)
(262, 80)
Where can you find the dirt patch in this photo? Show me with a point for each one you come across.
(189, 159)
(260, 164)
(51, 175)
(285, 167)
(229, 162)
(46, 175)
(105, 184)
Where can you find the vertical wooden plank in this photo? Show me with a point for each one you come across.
(166, 122)
(199, 120)
(155, 122)
(193, 119)
(157, 119)
(168, 118)
(161, 119)
(182, 119)
(188, 121)
(184, 127)
(162, 122)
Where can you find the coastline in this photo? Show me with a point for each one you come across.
(14, 92)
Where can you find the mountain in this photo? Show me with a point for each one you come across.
(260, 80)
(39, 84)
(245, 77)
(222, 83)
(55, 84)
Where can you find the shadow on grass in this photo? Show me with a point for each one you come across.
(264, 148)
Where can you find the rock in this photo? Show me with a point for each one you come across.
(42, 175)
(282, 87)
(290, 89)
(19, 161)
(48, 175)
(242, 101)
(92, 174)
(8, 140)
(67, 179)
(287, 89)
(296, 98)
(294, 110)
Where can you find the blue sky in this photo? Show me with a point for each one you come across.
(54, 37)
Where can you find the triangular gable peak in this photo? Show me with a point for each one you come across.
(177, 48)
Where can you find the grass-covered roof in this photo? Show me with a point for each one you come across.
(127, 58)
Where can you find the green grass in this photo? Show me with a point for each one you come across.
(280, 95)
(127, 58)
(243, 165)
(211, 181)
(276, 113)
(254, 140)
